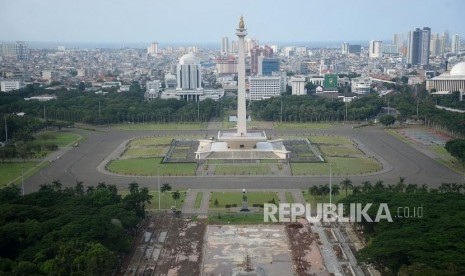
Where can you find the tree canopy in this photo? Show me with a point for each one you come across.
(69, 231)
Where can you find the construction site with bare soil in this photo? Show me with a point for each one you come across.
(170, 244)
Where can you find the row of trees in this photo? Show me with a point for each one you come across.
(429, 244)
(77, 106)
(312, 108)
(68, 231)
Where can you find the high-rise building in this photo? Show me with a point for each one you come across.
(446, 37)
(269, 65)
(234, 46)
(455, 48)
(188, 73)
(436, 45)
(226, 65)
(355, 49)
(419, 46)
(298, 86)
(398, 40)
(375, 49)
(21, 50)
(344, 48)
(224, 46)
(153, 49)
(255, 53)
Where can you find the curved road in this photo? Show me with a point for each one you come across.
(403, 160)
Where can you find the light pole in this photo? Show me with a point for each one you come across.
(6, 132)
(22, 180)
(330, 183)
(159, 191)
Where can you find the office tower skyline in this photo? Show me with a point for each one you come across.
(419, 46)
(455, 47)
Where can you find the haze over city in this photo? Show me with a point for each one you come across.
(207, 21)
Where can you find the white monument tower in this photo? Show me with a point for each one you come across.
(241, 110)
(240, 143)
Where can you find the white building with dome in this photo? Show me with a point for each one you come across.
(449, 82)
(189, 73)
(189, 82)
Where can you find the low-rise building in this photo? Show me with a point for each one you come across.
(361, 85)
(9, 85)
(261, 87)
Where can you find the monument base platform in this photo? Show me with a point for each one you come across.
(231, 146)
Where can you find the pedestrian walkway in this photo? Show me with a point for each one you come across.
(189, 202)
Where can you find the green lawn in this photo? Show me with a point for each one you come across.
(340, 166)
(149, 167)
(302, 125)
(289, 197)
(236, 219)
(166, 199)
(332, 140)
(151, 141)
(229, 198)
(313, 200)
(339, 150)
(198, 200)
(60, 138)
(12, 171)
(242, 169)
(142, 151)
(167, 126)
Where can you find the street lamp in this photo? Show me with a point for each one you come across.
(159, 191)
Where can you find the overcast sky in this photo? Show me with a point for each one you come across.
(205, 21)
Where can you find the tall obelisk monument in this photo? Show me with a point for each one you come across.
(241, 32)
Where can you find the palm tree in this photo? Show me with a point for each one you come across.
(346, 184)
(165, 188)
(400, 187)
(366, 186)
(356, 190)
(133, 188)
(379, 186)
(313, 190)
(79, 188)
(335, 190)
(456, 187)
(176, 195)
(411, 188)
(423, 188)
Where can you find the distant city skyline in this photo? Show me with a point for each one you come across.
(207, 21)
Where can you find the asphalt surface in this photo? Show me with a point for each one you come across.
(399, 160)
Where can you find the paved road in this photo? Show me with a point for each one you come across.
(401, 160)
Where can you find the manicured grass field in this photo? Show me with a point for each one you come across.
(198, 200)
(167, 126)
(242, 169)
(229, 198)
(302, 125)
(12, 171)
(289, 197)
(340, 150)
(149, 167)
(340, 166)
(135, 152)
(315, 199)
(60, 138)
(332, 140)
(166, 199)
(151, 141)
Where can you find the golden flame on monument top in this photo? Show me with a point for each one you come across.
(241, 23)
